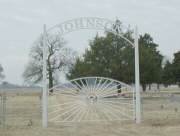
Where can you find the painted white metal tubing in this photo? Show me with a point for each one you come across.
(134, 105)
(137, 81)
(88, 89)
(94, 101)
(44, 93)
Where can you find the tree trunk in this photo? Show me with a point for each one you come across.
(50, 74)
(158, 87)
(149, 86)
(50, 81)
(119, 89)
(144, 87)
(166, 85)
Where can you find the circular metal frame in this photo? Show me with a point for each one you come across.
(91, 99)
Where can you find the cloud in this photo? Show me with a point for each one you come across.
(23, 19)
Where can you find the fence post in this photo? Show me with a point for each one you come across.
(3, 108)
(1, 113)
(137, 80)
(44, 93)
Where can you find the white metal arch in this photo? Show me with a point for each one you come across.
(102, 78)
(136, 48)
(92, 99)
(107, 21)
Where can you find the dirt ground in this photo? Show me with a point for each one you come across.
(161, 117)
(107, 129)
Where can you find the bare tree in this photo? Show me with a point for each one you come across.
(1, 72)
(59, 59)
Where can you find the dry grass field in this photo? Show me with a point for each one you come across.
(161, 117)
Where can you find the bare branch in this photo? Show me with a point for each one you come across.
(59, 58)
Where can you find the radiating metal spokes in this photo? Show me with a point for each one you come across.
(91, 99)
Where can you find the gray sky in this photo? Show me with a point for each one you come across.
(21, 21)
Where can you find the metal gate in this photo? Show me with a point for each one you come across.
(91, 99)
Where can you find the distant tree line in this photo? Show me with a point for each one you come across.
(108, 56)
(111, 56)
(171, 71)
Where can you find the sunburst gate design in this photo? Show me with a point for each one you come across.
(83, 89)
(91, 99)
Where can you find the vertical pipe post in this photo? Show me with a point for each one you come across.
(44, 93)
(1, 108)
(137, 80)
(4, 109)
(134, 104)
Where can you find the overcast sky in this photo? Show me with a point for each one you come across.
(21, 21)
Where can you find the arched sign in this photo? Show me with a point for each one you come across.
(82, 23)
(93, 23)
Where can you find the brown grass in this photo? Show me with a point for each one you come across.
(161, 117)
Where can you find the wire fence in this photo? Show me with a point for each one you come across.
(2, 109)
(20, 108)
(23, 108)
(162, 107)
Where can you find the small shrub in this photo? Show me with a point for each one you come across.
(162, 106)
(176, 109)
(30, 123)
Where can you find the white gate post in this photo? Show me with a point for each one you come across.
(137, 80)
(44, 93)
